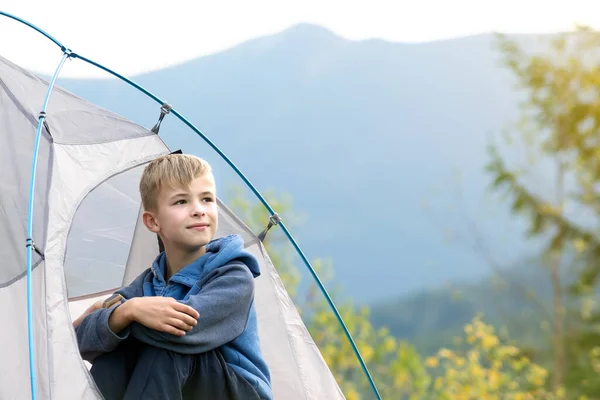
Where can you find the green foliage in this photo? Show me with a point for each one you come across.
(562, 109)
(560, 125)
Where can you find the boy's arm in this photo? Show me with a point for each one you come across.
(94, 335)
(223, 304)
(103, 329)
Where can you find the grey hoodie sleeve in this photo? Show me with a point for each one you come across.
(223, 303)
(94, 335)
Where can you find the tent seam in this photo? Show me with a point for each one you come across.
(50, 355)
(287, 330)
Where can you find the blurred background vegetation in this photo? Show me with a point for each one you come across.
(530, 329)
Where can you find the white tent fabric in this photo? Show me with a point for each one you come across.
(86, 225)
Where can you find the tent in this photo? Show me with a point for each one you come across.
(85, 239)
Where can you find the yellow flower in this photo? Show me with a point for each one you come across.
(473, 356)
(445, 353)
(510, 350)
(401, 379)
(494, 378)
(537, 375)
(432, 362)
(497, 365)
(489, 341)
(389, 344)
(352, 394)
(367, 353)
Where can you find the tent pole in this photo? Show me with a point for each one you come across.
(240, 174)
(32, 26)
(29, 241)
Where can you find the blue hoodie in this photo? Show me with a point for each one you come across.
(220, 286)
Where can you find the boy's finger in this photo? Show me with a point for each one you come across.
(179, 324)
(172, 330)
(193, 313)
(187, 319)
(187, 309)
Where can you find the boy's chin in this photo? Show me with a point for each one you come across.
(195, 246)
(190, 246)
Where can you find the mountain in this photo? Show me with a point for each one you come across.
(517, 301)
(359, 133)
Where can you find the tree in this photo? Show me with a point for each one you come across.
(560, 126)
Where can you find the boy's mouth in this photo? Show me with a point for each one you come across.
(198, 227)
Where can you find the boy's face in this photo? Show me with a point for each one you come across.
(187, 218)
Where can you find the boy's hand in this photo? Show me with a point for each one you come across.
(164, 314)
(96, 306)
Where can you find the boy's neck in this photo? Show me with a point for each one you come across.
(177, 260)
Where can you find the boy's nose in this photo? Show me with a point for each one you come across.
(198, 209)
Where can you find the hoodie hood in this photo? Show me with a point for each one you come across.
(230, 248)
(219, 252)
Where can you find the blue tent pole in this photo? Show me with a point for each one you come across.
(240, 174)
(29, 241)
(32, 26)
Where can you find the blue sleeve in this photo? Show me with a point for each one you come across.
(94, 336)
(223, 302)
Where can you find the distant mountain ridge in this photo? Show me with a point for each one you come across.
(517, 302)
(359, 133)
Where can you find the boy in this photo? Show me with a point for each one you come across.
(186, 327)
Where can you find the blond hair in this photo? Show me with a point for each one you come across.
(172, 170)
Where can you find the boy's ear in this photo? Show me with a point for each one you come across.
(150, 222)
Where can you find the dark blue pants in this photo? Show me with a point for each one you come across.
(136, 371)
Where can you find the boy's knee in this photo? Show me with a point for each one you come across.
(167, 359)
(161, 352)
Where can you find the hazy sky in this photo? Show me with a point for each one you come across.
(134, 36)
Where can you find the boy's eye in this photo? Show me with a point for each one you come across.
(208, 199)
(178, 202)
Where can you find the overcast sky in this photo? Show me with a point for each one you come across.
(135, 36)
